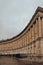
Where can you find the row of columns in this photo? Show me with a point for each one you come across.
(32, 34)
(35, 31)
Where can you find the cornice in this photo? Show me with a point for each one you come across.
(39, 9)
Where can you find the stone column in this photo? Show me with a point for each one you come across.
(30, 35)
(42, 25)
(34, 37)
(36, 29)
(42, 36)
(39, 37)
(28, 41)
(33, 33)
(39, 21)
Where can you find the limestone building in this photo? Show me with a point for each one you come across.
(29, 41)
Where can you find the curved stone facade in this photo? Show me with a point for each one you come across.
(29, 41)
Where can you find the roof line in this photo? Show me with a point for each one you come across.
(39, 9)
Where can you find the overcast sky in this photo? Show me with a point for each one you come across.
(15, 15)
